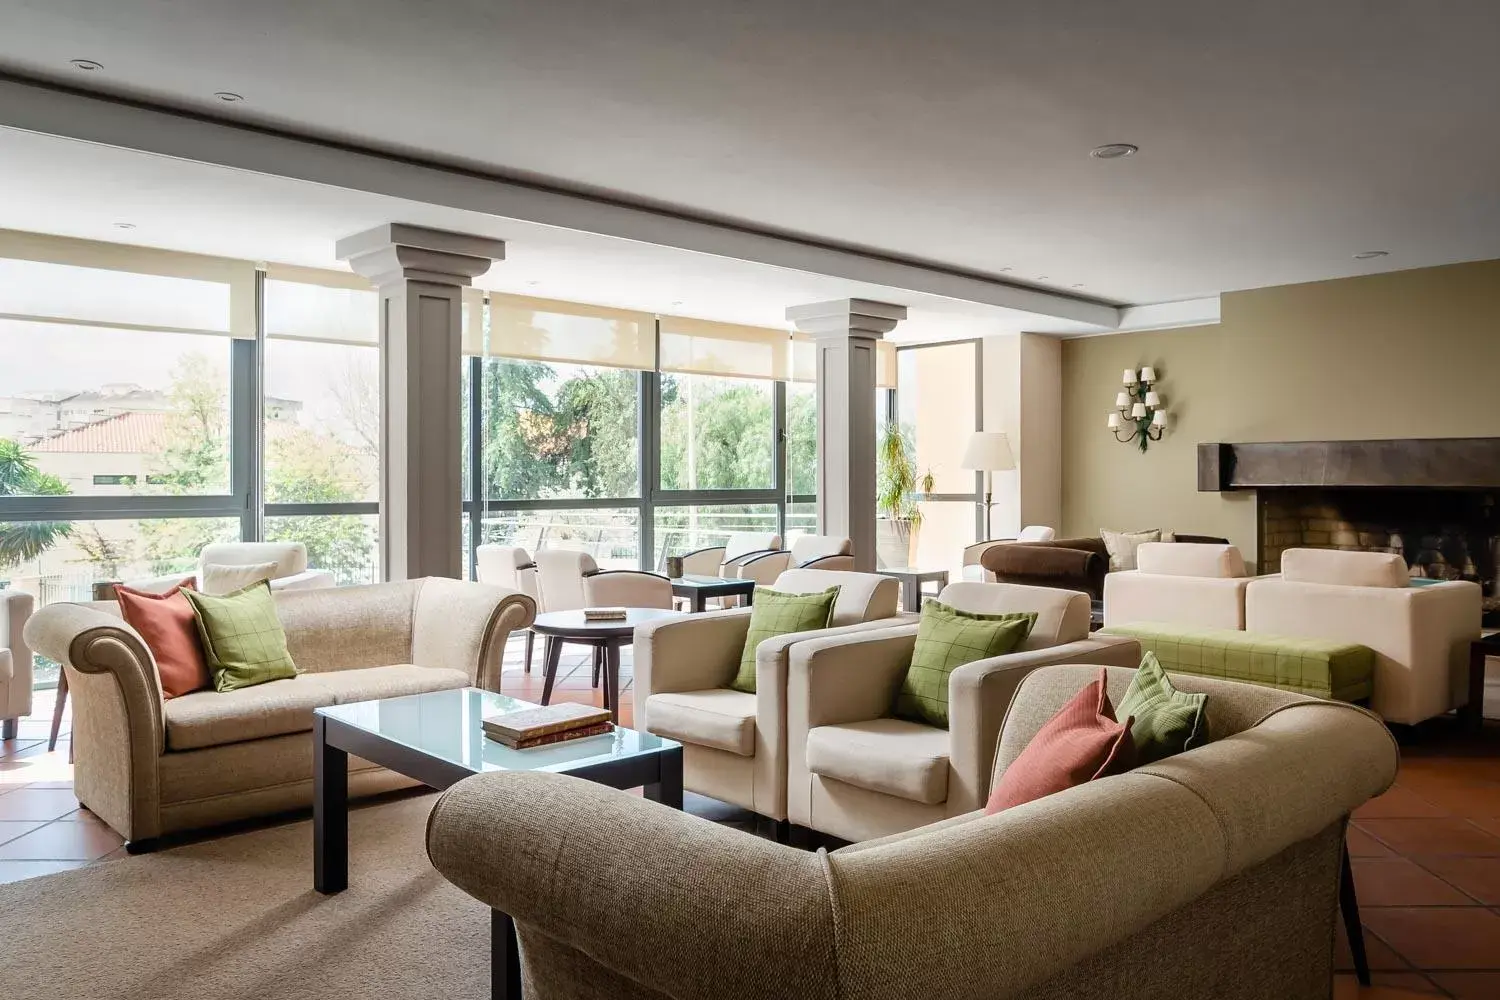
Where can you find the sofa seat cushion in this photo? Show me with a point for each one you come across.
(890, 756)
(717, 718)
(276, 708)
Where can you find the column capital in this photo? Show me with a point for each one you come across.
(847, 318)
(397, 251)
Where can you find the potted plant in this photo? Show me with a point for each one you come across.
(896, 490)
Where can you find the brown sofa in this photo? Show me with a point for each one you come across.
(1064, 563)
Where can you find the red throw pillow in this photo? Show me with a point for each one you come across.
(1078, 744)
(167, 623)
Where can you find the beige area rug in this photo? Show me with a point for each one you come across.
(237, 917)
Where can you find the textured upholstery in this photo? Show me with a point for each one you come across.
(890, 756)
(1061, 615)
(1065, 563)
(1344, 569)
(717, 718)
(250, 753)
(507, 566)
(626, 588)
(15, 655)
(1211, 874)
(829, 552)
(560, 574)
(863, 597)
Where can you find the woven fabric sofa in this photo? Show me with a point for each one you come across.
(1210, 874)
(149, 766)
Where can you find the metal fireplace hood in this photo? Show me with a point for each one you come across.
(1431, 463)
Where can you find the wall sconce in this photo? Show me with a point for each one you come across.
(1139, 411)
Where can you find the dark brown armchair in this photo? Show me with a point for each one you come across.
(1063, 564)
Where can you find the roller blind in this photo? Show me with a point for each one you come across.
(335, 307)
(805, 361)
(564, 332)
(700, 347)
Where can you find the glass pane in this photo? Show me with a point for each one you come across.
(37, 288)
(938, 405)
(716, 433)
(801, 439)
(322, 420)
(109, 412)
(685, 529)
(801, 519)
(554, 430)
(611, 535)
(317, 312)
(947, 526)
(346, 545)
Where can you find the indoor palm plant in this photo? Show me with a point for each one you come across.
(898, 485)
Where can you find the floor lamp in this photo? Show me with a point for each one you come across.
(988, 452)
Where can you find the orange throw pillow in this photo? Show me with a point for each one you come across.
(167, 623)
(1078, 744)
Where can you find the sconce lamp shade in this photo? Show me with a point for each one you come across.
(988, 451)
(1122, 400)
(1148, 374)
(1159, 418)
(1138, 411)
(1129, 376)
(1153, 398)
(1114, 421)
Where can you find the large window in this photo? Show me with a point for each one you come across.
(717, 433)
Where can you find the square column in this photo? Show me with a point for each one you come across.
(420, 275)
(844, 333)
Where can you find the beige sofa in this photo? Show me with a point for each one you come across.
(1210, 874)
(1179, 583)
(855, 772)
(15, 662)
(734, 743)
(1420, 635)
(149, 766)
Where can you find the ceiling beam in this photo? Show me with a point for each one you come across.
(50, 110)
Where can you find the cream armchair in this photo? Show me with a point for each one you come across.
(724, 560)
(1179, 583)
(15, 662)
(150, 766)
(734, 743)
(569, 580)
(976, 573)
(855, 772)
(291, 571)
(1173, 880)
(807, 552)
(1420, 634)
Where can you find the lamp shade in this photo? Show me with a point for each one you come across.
(988, 451)
(1114, 421)
(1138, 411)
(1122, 400)
(1148, 374)
(1153, 398)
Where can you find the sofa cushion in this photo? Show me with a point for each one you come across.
(863, 597)
(717, 718)
(1345, 569)
(1122, 546)
(1061, 615)
(948, 638)
(779, 613)
(1164, 720)
(168, 625)
(1189, 559)
(213, 718)
(243, 641)
(890, 756)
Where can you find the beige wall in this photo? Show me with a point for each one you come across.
(1411, 354)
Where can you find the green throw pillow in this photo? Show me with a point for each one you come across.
(778, 613)
(243, 640)
(947, 638)
(1167, 721)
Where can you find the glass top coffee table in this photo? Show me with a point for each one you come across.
(437, 739)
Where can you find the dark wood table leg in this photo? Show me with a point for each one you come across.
(699, 602)
(330, 812)
(612, 679)
(668, 787)
(598, 665)
(57, 708)
(1349, 907)
(750, 597)
(505, 958)
(1471, 716)
(530, 642)
(911, 593)
(549, 671)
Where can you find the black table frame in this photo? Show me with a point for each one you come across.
(912, 580)
(660, 774)
(697, 594)
(1471, 716)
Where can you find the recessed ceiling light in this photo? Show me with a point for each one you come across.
(87, 65)
(124, 225)
(1114, 151)
(676, 304)
(1371, 254)
(1042, 277)
(229, 97)
(532, 284)
(1004, 269)
(1079, 285)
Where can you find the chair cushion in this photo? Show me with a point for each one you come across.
(717, 718)
(889, 756)
(225, 578)
(778, 613)
(1122, 545)
(1189, 559)
(170, 629)
(947, 638)
(1346, 569)
(214, 718)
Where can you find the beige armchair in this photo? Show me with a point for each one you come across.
(807, 552)
(149, 766)
(734, 743)
(724, 560)
(855, 772)
(1179, 583)
(15, 662)
(1214, 873)
(291, 571)
(513, 568)
(1420, 634)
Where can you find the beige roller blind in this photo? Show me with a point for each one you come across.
(805, 361)
(334, 307)
(566, 332)
(699, 347)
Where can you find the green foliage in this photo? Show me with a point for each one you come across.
(897, 481)
(23, 541)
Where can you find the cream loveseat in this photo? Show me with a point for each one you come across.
(1210, 874)
(1179, 583)
(149, 766)
(855, 772)
(734, 743)
(1420, 634)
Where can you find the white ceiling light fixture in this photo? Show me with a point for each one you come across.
(124, 225)
(1371, 254)
(229, 96)
(1114, 151)
(87, 65)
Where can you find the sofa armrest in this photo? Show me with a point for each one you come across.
(847, 678)
(980, 693)
(549, 849)
(691, 653)
(464, 626)
(15, 689)
(310, 579)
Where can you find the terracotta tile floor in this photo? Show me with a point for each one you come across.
(1426, 854)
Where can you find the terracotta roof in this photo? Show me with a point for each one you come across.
(136, 433)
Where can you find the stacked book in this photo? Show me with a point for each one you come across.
(538, 727)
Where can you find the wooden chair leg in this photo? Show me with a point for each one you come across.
(598, 663)
(57, 710)
(1349, 907)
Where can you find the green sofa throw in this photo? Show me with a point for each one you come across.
(1164, 720)
(243, 641)
(947, 638)
(776, 613)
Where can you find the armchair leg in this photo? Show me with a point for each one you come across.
(9, 728)
(598, 663)
(57, 710)
(1349, 907)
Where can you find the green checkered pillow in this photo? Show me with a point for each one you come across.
(243, 640)
(947, 638)
(1165, 721)
(778, 613)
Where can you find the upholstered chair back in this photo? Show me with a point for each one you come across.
(560, 575)
(863, 597)
(1062, 615)
(507, 566)
(744, 542)
(626, 588)
(1344, 569)
(806, 548)
(1222, 562)
(1036, 533)
(290, 557)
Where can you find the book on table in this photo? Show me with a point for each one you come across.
(604, 614)
(546, 724)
